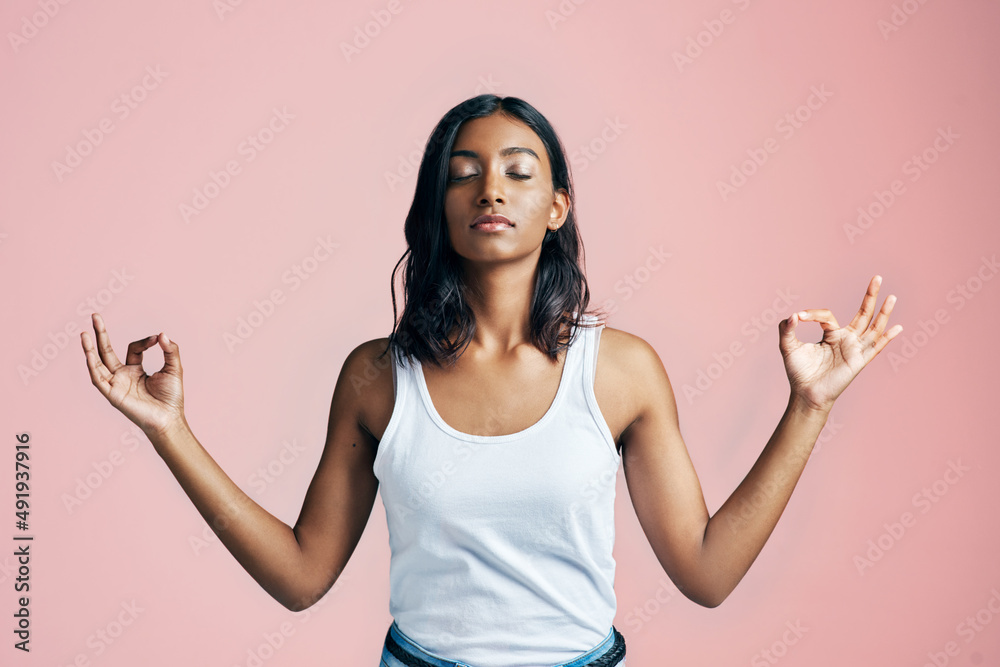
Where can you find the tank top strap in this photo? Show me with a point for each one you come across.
(591, 341)
(392, 358)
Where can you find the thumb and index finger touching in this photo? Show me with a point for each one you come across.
(826, 319)
(823, 316)
(103, 362)
(861, 322)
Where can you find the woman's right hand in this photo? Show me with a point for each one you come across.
(155, 403)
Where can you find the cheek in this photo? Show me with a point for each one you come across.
(453, 215)
(538, 203)
(451, 210)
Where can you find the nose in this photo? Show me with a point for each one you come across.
(492, 190)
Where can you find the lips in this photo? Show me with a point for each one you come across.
(492, 219)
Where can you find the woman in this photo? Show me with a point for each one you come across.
(497, 436)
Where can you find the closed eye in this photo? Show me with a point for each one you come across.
(522, 177)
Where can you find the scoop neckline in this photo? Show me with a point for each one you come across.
(547, 417)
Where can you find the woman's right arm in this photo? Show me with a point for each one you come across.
(295, 565)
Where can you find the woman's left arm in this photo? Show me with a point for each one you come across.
(708, 556)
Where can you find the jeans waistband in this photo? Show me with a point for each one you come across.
(608, 653)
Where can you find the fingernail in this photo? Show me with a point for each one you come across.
(166, 341)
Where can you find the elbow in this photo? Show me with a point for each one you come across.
(706, 596)
(710, 601)
(293, 603)
(301, 598)
(288, 598)
(290, 606)
(297, 603)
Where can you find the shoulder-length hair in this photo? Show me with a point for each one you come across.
(435, 294)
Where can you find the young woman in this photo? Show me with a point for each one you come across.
(497, 436)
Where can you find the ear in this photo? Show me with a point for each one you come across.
(560, 209)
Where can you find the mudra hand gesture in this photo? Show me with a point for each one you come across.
(155, 403)
(819, 372)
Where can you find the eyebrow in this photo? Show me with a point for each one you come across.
(503, 152)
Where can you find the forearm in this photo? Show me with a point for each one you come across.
(264, 545)
(737, 532)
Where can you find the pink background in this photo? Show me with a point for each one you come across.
(653, 182)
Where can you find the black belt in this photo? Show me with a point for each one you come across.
(609, 659)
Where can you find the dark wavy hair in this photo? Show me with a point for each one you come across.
(435, 294)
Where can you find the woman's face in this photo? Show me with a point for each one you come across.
(499, 166)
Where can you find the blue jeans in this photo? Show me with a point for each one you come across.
(414, 653)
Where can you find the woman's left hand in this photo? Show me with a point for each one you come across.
(819, 372)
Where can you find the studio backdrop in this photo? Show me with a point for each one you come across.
(236, 173)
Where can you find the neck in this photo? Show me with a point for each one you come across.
(500, 297)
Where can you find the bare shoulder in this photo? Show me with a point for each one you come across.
(630, 379)
(367, 376)
(629, 355)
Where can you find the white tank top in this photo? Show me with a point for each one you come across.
(502, 545)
